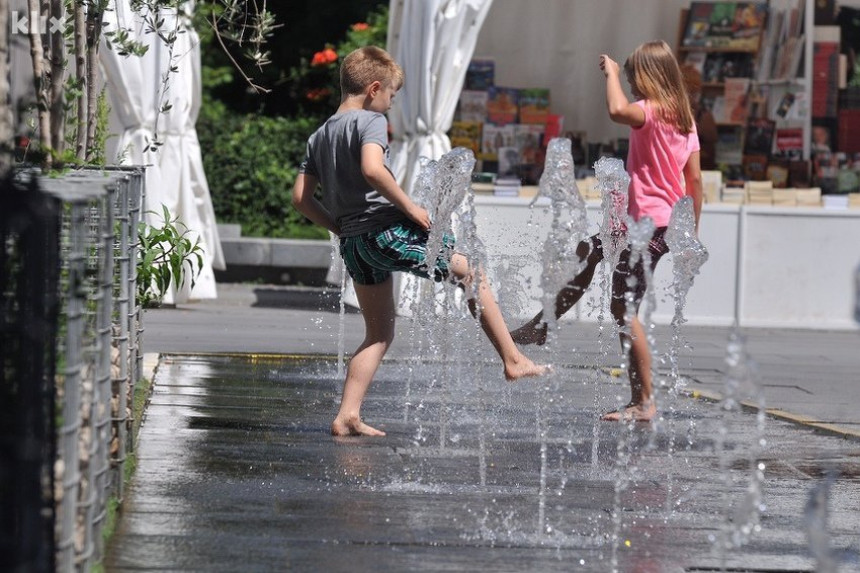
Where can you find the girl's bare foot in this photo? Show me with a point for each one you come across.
(525, 368)
(530, 333)
(643, 412)
(353, 427)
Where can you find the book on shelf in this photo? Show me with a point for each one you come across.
(783, 43)
(554, 127)
(798, 173)
(825, 81)
(466, 134)
(718, 109)
(729, 147)
(534, 105)
(759, 136)
(529, 140)
(737, 100)
(755, 167)
(494, 137)
(480, 74)
(509, 163)
(777, 172)
(788, 142)
(502, 105)
(473, 105)
(732, 25)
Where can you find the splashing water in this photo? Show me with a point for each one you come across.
(442, 186)
(688, 253)
(612, 181)
(559, 258)
(816, 516)
(741, 382)
(688, 256)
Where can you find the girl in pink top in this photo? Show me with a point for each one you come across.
(663, 163)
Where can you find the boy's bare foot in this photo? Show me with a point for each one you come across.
(530, 333)
(632, 412)
(353, 427)
(525, 368)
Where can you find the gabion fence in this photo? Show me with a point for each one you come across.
(98, 358)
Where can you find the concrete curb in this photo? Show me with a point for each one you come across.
(779, 414)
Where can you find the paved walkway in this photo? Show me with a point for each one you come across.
(236, 471)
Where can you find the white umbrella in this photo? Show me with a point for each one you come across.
(175, 176)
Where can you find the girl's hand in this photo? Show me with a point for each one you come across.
(608, 65)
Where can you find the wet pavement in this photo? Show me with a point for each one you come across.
(236, 470)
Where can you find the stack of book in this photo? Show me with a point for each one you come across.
(712, 183)
(810, 197)
(507, 187)
(759, 192)
(482, 188)
(833, 201)
(854, 200)
(785, 197)
(733, 195)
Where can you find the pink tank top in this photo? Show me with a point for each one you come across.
(656, 158)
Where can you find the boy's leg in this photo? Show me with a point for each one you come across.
(377, 308)
(516, 364)
(534, 331)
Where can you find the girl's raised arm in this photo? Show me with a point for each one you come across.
(620, 110)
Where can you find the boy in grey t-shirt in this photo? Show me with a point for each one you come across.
(381, 230)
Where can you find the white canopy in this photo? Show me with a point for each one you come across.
(433, 41)
(175, 177)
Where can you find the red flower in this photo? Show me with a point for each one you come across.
(360, 26)
(317, 94)
(324, 57)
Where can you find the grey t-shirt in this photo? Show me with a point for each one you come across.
(334, 157)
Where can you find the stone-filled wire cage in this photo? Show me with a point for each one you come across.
(93, 354)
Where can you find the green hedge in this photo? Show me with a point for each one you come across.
(251, 163)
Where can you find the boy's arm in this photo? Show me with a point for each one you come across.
(693, 181)
(380, 178)
(308, 205)
(620, 110)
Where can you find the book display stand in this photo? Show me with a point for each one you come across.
(755, 64)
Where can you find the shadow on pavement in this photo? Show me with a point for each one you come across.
(322, 300)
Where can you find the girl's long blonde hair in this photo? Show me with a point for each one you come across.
(654, 74)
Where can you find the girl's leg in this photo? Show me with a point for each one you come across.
(516, 364)
(534, 331)
(377, 308)
(642, 406)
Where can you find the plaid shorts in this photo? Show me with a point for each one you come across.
(372, 257)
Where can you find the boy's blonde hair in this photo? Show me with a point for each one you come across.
(366, 65)
(654, 74)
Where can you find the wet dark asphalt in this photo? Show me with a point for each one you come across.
(236, 471)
